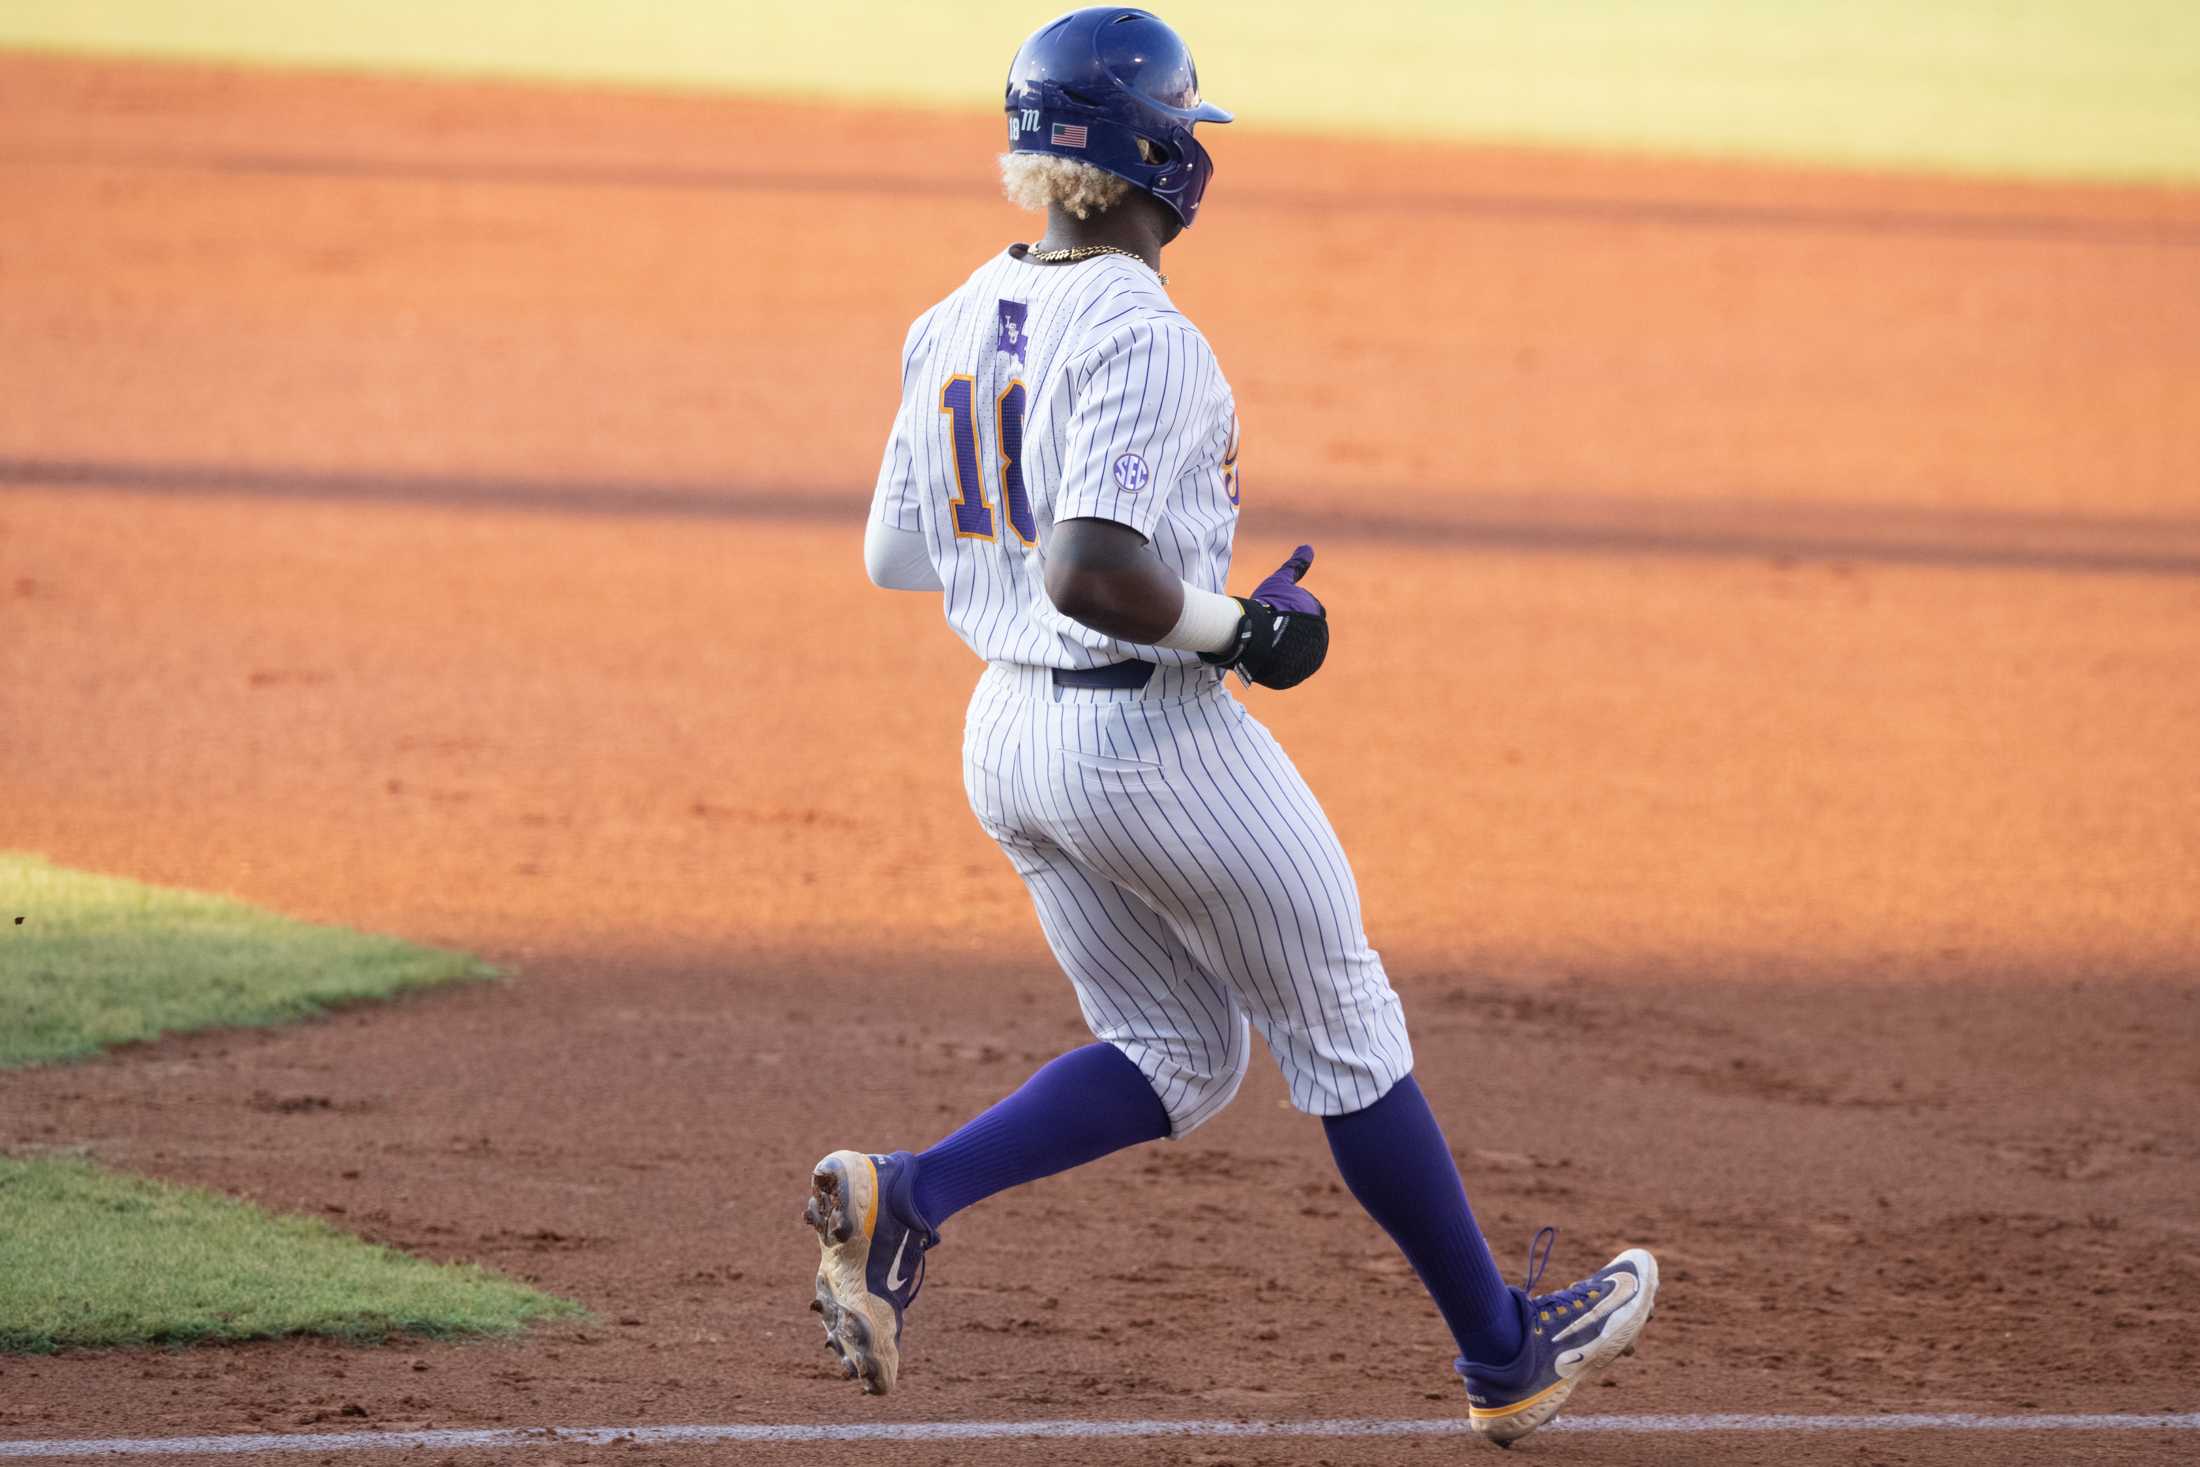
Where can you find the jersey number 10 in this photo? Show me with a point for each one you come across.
(973, 515)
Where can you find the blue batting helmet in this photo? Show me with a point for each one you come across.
(1092, 84)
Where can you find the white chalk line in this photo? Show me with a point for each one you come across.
(954, 1431)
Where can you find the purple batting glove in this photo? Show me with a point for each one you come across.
(1282, 590)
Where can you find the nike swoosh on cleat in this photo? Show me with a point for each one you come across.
(894, 1280)
(1624, 1287)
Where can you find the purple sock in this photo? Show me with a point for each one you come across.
(1395, 1160)
(1075, 1108)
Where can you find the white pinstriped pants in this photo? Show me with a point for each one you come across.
(1188, 882)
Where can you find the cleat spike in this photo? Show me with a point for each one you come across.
(872, 1252)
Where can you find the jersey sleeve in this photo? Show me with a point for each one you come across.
(894, 501)
(1140, 416)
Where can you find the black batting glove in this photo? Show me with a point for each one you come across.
(1284, 635)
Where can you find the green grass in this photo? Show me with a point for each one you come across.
(2079, 88)
(99, 961)
(92, 1258)
(89, 1257)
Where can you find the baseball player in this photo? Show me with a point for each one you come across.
(1063, 472)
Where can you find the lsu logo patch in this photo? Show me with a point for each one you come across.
(1130, 473)
(1009, 335)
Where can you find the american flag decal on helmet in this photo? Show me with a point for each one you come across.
(1067, 135)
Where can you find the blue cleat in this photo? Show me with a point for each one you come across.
(871, 1259)
(1571, 1335)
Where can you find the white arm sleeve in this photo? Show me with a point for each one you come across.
(897, 559)
(895, 497)
(894, 549)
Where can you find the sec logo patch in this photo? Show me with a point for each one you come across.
(1130, 473)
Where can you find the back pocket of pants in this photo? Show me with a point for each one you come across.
(1075, 760)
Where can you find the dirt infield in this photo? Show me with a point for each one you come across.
(1767, 681)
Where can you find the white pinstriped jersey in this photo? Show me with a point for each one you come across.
(1040, 393)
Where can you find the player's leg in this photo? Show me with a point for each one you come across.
(1397, 1164)
(1249, 823)
(1225, 839)
(1141, 993)
(1173, 1046)
(1076, 1108)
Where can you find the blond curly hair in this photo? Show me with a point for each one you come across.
(1040, 180)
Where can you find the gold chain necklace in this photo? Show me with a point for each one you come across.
(1085, 252)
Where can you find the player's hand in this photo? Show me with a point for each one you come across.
(1282, 590)
(1284, 635)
